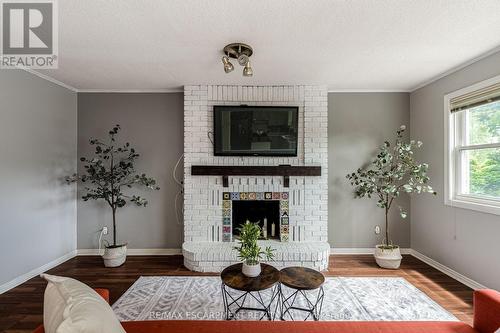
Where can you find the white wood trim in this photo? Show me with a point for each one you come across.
(448, 271)
(134, 252)
(455, 69)
(333, 90)
(130, 91)
(34, 272)
(451, 197)
(50, 79)
(359, 250)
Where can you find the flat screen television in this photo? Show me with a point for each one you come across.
(255, 130)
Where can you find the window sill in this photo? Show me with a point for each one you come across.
(475, 203)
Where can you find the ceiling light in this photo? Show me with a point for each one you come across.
(228, 66)
(241, 52)
(247, 71)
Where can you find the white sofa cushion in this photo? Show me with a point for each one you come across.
(70, 306)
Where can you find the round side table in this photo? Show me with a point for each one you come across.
(233, 278)
(302, 280)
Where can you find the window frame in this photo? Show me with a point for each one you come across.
(453, 147)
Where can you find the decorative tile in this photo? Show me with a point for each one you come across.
(226, 196)
(252, 196)
(226, 204)
(284, 204)
(226, 237)
(226, 221)
(284, 237)
(243, 196)
(259, 196)
(276, 195)
(284, 229)
(235, 195)
(284, 221)
(226, 230)
(284, 213)
(226, 212)
(284, 195)
(268, 195)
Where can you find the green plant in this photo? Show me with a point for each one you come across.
(110, 172)
(392, 172)
(248, 250)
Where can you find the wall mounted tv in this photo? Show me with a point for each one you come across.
(255, 130)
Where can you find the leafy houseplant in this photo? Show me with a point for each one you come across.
(249, 251)
(108, 174)
(393, 172)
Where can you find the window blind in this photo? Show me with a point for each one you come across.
(476, 98)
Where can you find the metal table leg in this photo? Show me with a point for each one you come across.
(313, 307)
(239, 302)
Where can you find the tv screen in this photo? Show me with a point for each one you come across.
(255, 130)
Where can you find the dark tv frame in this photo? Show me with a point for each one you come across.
(216, 114)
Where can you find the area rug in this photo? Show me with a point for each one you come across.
(346, 298)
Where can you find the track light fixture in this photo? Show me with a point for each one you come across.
(247, 70)
(228, 66)
(242, 53)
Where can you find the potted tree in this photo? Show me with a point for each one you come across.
(249, 251)
(393, 172)
(108, 174)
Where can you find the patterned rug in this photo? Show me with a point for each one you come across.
(346, 298)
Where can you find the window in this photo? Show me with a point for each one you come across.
(473, 142)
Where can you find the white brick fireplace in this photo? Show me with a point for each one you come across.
(208, 245)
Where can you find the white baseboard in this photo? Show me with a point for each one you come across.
(35, 272)
(448, 271)
(152, 252)
(361, 250)
(134, 252)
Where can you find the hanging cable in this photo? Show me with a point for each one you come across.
(174, 172)
(179, 212)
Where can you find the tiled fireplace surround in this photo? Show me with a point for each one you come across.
(208, 245)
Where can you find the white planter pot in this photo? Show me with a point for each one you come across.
(387, 258)
(115, 256)
(251, 270)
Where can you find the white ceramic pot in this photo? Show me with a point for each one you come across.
(251, 270)
(387, 258)
(115, 256)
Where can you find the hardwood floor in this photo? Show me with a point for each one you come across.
(21, 307)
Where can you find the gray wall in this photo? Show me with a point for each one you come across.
(37, 149)
(153, 123)
(464, 240)
(358, 123)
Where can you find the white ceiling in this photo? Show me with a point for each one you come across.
(347, 45)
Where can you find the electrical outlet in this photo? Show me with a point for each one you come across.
(105, 230)
(377, 230)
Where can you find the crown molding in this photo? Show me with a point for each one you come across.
(48, 78)
(455, 69)
(368, 91)
(130, 91)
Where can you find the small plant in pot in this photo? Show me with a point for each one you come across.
(249, 251)
(394, 171)
(107, 177)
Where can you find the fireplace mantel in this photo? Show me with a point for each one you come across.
(258, 170)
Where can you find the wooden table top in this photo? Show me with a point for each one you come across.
(301, 278)
(233, 277)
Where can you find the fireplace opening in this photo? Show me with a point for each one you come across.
(264, 212)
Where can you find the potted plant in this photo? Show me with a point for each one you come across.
(249, 251)
(392, 172)
(108, 174)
